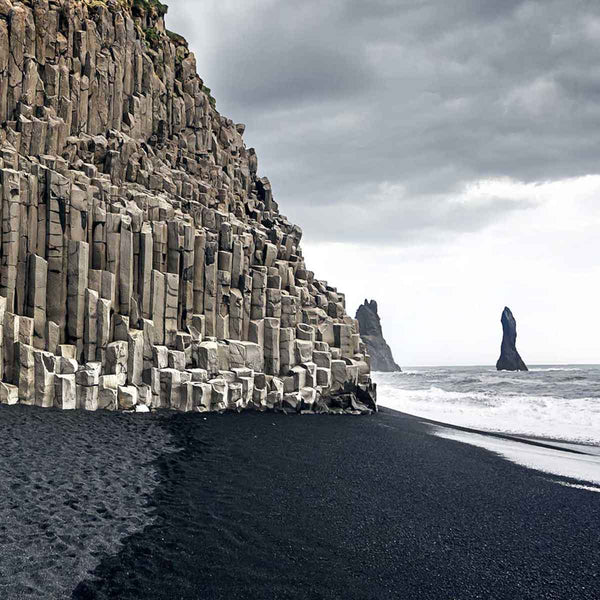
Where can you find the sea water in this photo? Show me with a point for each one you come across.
(559, 405)
(551, 402)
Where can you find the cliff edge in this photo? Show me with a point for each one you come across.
(509, 360)
(372, 335)
(144, 262)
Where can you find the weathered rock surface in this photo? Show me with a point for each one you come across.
(509, 357)
(372, 335)
(143, 261)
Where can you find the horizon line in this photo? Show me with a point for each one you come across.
(544, 364)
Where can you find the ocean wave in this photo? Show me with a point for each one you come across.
(496, 379)
(550, 369)
(467, 380)
(546, 416)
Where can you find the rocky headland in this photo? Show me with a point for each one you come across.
(372, 335)
(144, 262)
(509, 360)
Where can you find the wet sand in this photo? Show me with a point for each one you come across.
(275, 506)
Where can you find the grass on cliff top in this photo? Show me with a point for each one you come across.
(177, 39)
(154, 7)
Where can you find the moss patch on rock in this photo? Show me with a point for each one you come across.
(154, 7)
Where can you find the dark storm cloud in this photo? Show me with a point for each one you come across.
(392, 107)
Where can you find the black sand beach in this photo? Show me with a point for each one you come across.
(274, 506)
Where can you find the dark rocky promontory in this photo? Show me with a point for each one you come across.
(371, 333)
(509, 360)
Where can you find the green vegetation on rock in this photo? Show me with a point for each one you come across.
(154, 7)
(177, 39)
(212, 101)
(121, 4)
(152, 35)
(138, 7)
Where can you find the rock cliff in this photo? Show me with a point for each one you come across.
(144, 263)
(509, 357)
(372, 335)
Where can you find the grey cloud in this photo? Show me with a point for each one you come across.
(342, 96)
(409, 221)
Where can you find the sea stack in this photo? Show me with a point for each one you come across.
(372, 335)
(144, 262)
(509, 357)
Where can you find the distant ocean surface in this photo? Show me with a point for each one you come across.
(552, 402)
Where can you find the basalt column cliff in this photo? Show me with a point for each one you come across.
(144, 262)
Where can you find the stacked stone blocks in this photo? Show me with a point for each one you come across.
(144, 264)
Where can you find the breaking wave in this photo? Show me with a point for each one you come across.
(547, 402)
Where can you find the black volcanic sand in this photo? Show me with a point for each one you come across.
(275, 506)
(72, 484)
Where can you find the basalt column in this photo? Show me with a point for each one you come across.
(144, 262)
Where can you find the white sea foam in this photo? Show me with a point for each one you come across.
(546, 416)
(557, 462)
(551, 369)
(579, 487)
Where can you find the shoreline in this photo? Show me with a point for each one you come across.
(282, 506)
(561, 444)
(560, 458)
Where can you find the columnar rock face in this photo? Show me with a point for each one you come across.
(372, 335)
(509, 357)
(144, 263)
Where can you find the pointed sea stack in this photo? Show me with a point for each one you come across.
(372, 335)
(509, 357)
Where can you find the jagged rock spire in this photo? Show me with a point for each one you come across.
(371, 333)
(509, 360)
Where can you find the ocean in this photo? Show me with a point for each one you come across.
(554, 402)
(548, 417)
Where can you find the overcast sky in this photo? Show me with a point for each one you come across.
(441, 158)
